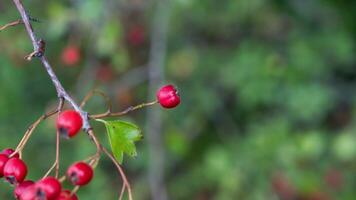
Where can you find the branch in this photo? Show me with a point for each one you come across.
(61, 92)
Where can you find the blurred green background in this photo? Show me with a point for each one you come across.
(267, 87)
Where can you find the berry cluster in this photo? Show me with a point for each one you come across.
(14, 170)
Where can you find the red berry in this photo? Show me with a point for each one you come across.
(15, 170)
(9, 151)
(20, 188)
(80, 173)
(49, 187)
(69, 123)
(65, 195)
(71, 55)
(3, 160)
(168, 96)
(136, 35)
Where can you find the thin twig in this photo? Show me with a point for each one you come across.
(75, 190)
(17, 22)
(30, 130)
(122, 192)
(57, 154)
(127, 110)
(121, 171)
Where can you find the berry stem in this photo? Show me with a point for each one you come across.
(74, 190)
(122, 191)
(17, 22)
(30, 130)
(121, 171)
(124, 112)
(56, 162)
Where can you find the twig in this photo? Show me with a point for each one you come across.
(122, 192)
(17, 22)
(121, 171)
(96, 157)
(127, 110)
(30, 130)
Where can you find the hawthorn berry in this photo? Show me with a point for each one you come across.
(10, 151)
(168, 96)
(20, 188)
(80, 173)
(71, 55)
(69, 123)
(3, 160)
(48, 188)
(15, 170)
(65, 195)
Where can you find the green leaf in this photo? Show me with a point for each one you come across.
(122, 138)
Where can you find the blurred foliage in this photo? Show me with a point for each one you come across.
(267, 87)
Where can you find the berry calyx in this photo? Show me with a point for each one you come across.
(20, 188)
(65, 195)
(69, 123)
(80, 173)
(3, 160)
(10, 151)
(15, 170)
(168, 96)
(48, 188)
(71, 55)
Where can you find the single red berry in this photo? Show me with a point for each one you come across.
(15, 170)
(136, 35)
(65, 195)
(71, 55)
(80, 173)
(3, 160)
(20, 188)
(9, 151)
(69, 123)
(48, 188)
(168, 96)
